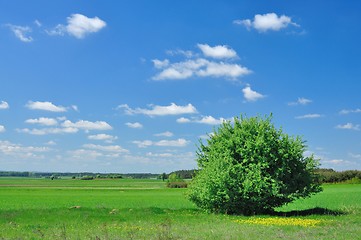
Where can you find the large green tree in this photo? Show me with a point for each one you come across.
(250, 167)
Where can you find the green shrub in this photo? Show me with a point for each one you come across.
(174, 181)
(354, 180)
(250, 167)
(87, 178)
(177, 184)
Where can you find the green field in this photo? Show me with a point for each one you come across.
(145, 209)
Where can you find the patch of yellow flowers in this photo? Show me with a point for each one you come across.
(283, 221)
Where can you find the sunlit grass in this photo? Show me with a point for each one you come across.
(118, 209)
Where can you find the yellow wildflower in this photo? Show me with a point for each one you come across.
(283, 221)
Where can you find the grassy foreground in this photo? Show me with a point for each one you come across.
(145, 209)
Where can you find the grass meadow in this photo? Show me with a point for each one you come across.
(146, 209)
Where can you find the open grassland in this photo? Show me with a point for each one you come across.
(145, 209)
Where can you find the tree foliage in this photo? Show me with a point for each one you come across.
(250, 167)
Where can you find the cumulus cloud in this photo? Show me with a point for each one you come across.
(4, 105)
(309, 116)
(46, 106)
(164, 134)
(2, 128)
(43, 121)
(78, 26)
(201, 68)
(134, 125)
(349, 126)
(160, 64)
(219, 51)
(211, 120)
(183, 120)
(46, 131)
(65, 127)
(156, 110)
(213, 63)
(21, 32)
(87, 125)
(103, 137)
(181, 142)
(267, 22)
(300, 101)
(251, 95)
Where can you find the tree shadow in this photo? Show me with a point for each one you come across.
(308, 212)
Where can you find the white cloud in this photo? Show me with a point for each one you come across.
(349, 126)
(164, 134)
(300, 101)
(4, 105)
(143, 144)
(172, 143)
(134, 125)
(211, 120)
(201, 68)
(109, 148)
(43, 121)
(183, 120)
(251, 95)
(78, 26)
(103, 137)
(221, 69)
(46, 131)
(87, 125)
(347, 111)
(267, 22)
(195, 66)
(309, 116)
(21, 32)
(51, 143)
(219, 51)
(20, 151)
(160, 64)
(46, 106)
(162, 143)
(58, 30)
(2, 128)
(172, 109)
(204, 120)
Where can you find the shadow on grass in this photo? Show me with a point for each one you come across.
(308, 212)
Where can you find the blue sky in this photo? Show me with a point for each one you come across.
(131, 86)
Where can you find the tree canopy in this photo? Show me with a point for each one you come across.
(248, 166)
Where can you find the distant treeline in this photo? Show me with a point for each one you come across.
(332, 176)
(77, 175)
(325, 175)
